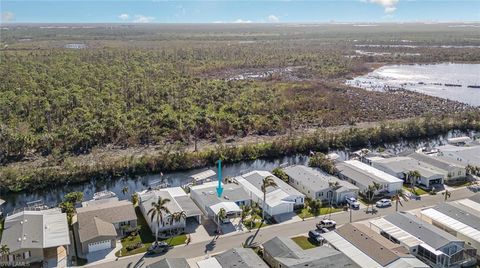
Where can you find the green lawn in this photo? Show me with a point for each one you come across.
(146, 237)
(306, 213)
(418, 191)
(304, 242)
(247, 223)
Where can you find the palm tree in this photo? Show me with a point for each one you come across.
(158, 209)
(267, 182)
(245, 212)
(222, 215)
(398, 197)
(370, 193)
(447, 194)
(333, 186)
(125, 190)
(134, 199)
(4, 250)
(413, 176)
(177, 217)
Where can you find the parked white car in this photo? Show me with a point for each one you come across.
(326, 224)
(383, 203)
(352, 202)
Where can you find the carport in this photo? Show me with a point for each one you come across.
(190, 208)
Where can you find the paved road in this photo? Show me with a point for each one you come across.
(230, 241)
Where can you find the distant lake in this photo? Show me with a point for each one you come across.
(459, 82)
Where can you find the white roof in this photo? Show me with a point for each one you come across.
(376, 172)
(209, 263)
(205, 185)
(452, 223)
(459, 139)
(470, 203)
(355, 254)
(203, 175)
(175, 191)
(407, 262)
(228, 206)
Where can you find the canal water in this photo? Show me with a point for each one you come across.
(458, 82)
(52, 196)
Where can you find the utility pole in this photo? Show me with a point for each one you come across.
(350, 209)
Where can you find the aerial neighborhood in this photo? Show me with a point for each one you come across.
(372, 209)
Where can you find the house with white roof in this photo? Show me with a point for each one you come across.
(317, 184)
(179, 201)
(460, 218)
(279, 200)
(429, 243)
(232, 198)
(36, 236)
(363, 175)
(400, 167)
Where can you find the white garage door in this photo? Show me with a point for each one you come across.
(96, 246)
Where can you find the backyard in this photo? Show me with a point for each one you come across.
(146, 238)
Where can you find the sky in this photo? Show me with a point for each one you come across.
(234, 11)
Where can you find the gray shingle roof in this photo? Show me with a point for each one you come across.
(240, 258)
(457, 212)
(406, 164)
(97, 220)
(431, 235)
(289, 254)
(315, 179)
(170, 263)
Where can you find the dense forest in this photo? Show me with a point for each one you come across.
(135, 86)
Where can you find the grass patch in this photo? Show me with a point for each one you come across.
(145, 237)
(304, 242)
(306, 213)
(418, 191)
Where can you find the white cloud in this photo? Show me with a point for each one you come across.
(124, 17)
(390, 9)
(8, 16)
(143, 19)
(388, 5)
(242, 21)
(273, 18)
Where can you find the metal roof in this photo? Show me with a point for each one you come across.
(399, 234)
(460, 213)
(231, 192)
(36, 229)
(283, 193)
(315, 179)
(452, 223)
(441, 163)
(228, 206)
(364, 174)
(241, 258)
(203, 175)
(209, 263)
(429, 234)
(405, 164)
